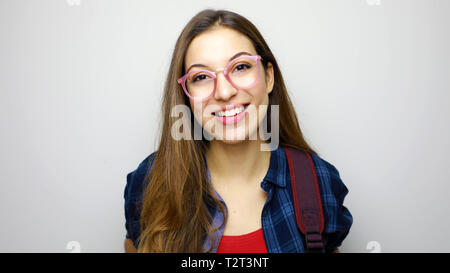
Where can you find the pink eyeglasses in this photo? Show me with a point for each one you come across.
(242, 72)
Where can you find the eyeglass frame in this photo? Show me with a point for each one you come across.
(182, 80)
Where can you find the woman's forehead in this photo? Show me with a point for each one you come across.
(215, 47)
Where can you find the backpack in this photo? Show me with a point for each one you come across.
(306, 198)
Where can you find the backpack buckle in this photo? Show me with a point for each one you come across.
(314, 240)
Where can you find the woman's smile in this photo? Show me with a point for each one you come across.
(233, 115)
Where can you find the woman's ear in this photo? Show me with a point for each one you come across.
(269, 78)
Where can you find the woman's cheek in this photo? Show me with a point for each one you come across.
(198, 111)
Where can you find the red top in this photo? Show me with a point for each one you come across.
(252, 242)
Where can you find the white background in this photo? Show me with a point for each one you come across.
(80, 102)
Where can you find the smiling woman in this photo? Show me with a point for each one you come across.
(226, 194)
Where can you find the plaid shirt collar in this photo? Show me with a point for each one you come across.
(277, 168)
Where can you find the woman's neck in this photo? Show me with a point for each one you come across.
(237, 163)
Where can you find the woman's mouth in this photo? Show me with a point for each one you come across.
(232, 115)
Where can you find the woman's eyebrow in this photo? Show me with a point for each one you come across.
(234, 56)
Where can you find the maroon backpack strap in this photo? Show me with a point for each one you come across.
(306, 196)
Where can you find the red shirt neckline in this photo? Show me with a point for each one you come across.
(252, 242)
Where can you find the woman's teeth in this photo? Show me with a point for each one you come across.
(230, 113)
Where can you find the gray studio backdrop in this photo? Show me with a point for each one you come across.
(81, 84)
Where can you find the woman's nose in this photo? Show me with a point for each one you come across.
(224, 89)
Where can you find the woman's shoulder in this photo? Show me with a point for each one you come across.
(133, 188)
(329, 177)
(333, 192)
(133, 197)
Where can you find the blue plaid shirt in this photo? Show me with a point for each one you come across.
(280, 230)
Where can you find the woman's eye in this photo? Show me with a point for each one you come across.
(199, 77)
(241, 67)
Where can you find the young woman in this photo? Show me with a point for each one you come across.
(225, 194)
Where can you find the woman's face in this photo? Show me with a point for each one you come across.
(214, 49)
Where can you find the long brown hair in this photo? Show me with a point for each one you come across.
(174, 214)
